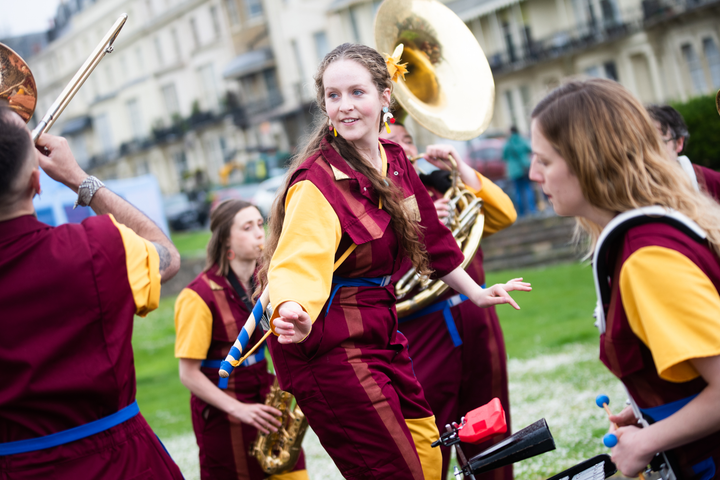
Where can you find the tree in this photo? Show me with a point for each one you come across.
(703, 123)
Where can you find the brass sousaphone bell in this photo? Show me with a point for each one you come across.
(449, 90)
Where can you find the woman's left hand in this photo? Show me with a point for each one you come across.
(497, 294)
(628, 454)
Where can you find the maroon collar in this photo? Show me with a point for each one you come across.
(19, 226)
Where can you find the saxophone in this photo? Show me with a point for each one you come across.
(277, 452)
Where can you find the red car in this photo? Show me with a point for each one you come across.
(485, 156)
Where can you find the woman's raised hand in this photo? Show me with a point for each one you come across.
(292, 324)
(498, 293)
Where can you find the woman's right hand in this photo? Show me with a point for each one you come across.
(293, 324)
(261, 416)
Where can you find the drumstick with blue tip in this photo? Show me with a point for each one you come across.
(235, 357)
(610, 439)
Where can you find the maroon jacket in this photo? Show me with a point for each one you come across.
(631, 361)
(65, 350)
(352, 376)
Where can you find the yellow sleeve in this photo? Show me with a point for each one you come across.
(302, 267)
(499, 210)
(193, 326)
(672, 306)
(143, 266)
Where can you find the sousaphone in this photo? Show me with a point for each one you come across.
(449, 90)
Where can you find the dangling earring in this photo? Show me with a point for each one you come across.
(332, 127)
(230, 255)
(387, 116)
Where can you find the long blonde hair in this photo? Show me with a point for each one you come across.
(612, 146)
(409, 235)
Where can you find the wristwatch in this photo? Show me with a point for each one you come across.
(86, 190)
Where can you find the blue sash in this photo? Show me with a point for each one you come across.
(251, 360)
(356, 282)
(445, 306)
(72, 434)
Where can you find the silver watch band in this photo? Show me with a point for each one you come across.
(87, 190)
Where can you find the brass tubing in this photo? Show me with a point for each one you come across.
(104, 47)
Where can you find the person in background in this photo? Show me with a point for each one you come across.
(351, 210)
(516, 154)
(68, 300)
(457, 348)
(674, 133)
(599, 158)
(209, 313)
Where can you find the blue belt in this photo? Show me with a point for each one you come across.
(663, 411)
(445, 306)
(251, 360)
(72, 434)
(356, 282)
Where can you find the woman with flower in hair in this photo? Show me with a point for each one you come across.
(227, 414)
(598, 157)
(351, 210)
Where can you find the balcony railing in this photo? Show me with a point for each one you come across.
(583, 36)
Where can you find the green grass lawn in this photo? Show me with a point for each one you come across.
(551, 342)
(191, 244)
(557, 312)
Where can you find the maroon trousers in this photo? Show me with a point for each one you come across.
(459, 379)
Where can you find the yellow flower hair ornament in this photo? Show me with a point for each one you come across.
(396, 69)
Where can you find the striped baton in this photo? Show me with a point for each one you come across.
(234, 357)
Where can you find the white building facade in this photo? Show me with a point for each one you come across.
(161, 102)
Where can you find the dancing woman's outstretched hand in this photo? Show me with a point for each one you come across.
(498, 293)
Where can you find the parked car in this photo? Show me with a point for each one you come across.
(485, 156)
(266, 193)
(183, 213)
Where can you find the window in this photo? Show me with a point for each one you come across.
(697, 75)
(322, 47)
(354, 25)
(104, 132)
(171, 100)
(141, 167)
(527, 101)
(139, 59)
(233, 12)
(176, 45)
(298, 59)
(194, 31)
(593, 71)
(136, 120)
(509, 44)
(611, 71)
(215, 20)
(713, 58)
(208, 86)
(254, 8)
(79, 148)
(511, 107)
(181, 163)
(158, 51)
